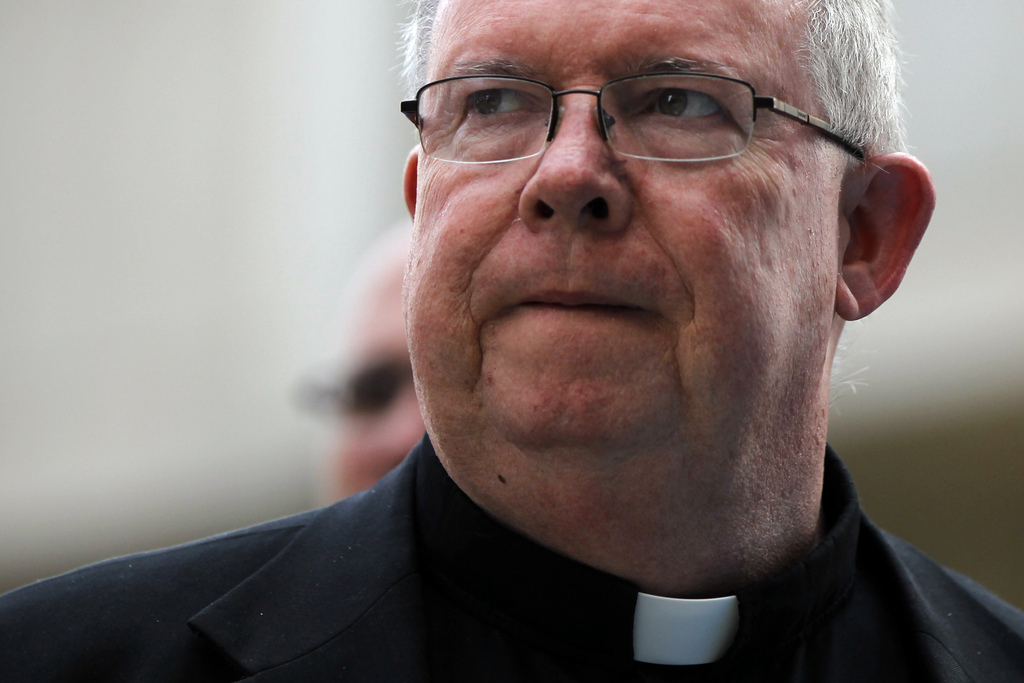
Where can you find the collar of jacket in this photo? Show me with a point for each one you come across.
(342, 599)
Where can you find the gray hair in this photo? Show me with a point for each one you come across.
(851, 53)
(854, 60)
(416, 39)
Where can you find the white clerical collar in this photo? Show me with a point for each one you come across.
(683, 632)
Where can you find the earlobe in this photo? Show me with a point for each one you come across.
(410, 179)
(887, 204)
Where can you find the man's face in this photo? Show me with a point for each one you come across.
(587, 305)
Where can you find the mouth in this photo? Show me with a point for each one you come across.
(580, 301)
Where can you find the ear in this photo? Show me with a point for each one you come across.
(887, 203)
(412, 165)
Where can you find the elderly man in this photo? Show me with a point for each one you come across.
(633, 256)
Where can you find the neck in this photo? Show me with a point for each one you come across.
(680, 524)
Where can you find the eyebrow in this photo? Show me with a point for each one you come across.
(492, 67)
(508, 67)
(682, 65)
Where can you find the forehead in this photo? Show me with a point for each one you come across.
(561, 42)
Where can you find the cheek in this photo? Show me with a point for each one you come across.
(757, 258)
(460, 216)
(461, 213)
(454, 230)
(766, 243)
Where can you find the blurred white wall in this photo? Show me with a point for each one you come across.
(183, 185)
(952, 338)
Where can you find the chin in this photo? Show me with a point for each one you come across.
(608, 422)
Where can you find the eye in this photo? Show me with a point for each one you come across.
(679, 102)
(495, 101)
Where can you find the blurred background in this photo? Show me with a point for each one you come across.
(185, 187)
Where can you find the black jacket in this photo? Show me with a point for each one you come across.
(335, 594)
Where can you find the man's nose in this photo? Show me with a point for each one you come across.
(579, 179)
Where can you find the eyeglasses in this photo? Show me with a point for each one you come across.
(370, 390)
(659, 116)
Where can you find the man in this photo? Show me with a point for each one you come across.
(622, 313)
(378, 418)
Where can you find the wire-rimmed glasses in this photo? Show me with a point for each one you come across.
(659, 116)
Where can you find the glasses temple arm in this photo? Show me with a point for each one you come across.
(779, 107)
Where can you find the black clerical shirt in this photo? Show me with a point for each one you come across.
(501, 608)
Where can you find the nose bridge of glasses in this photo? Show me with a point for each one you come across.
(557, 110)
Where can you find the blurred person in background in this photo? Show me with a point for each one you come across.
(370, 392)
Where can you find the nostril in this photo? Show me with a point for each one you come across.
(598, 207)
(544, 211)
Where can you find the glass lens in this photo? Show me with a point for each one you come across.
(484, 118)
(678, 117)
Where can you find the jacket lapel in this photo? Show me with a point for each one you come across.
(341, 602)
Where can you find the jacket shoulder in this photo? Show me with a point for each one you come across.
(113, 610)
(275, 595)
(959, 624)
